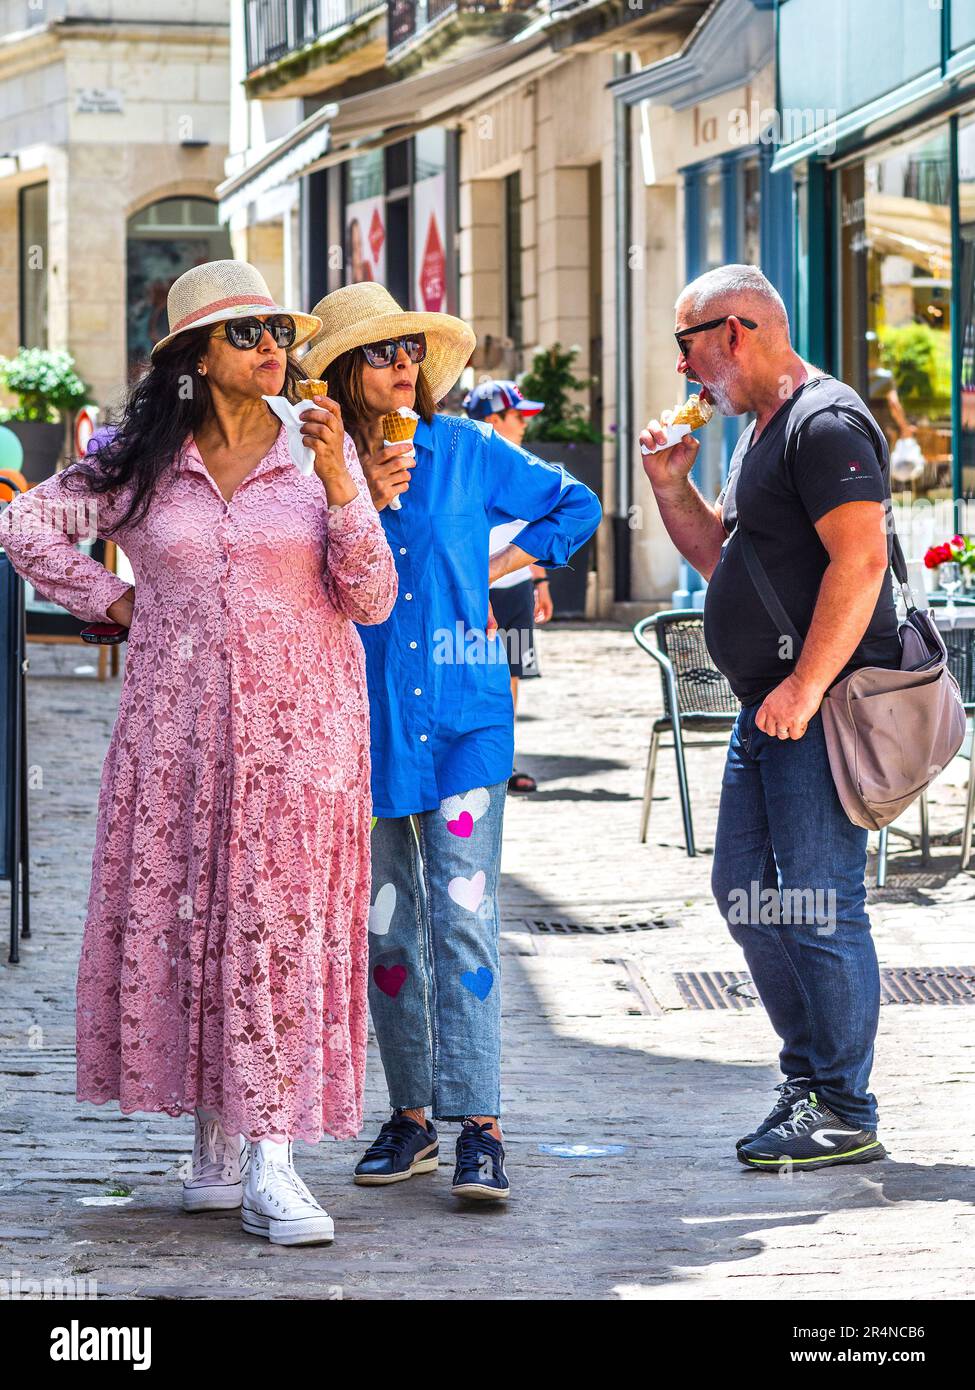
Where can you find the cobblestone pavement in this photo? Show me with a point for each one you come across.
(601, 1050)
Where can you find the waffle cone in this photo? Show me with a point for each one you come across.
(693, 412)
(398, 427)
(309, 388)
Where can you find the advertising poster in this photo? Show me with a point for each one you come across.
(365, 241)
(430, 244)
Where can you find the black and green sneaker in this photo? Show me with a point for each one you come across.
(789, 1093)
(812, 1137)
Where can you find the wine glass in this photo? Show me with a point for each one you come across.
(951, 579)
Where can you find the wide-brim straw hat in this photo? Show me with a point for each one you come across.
(368, 313)
(219, 290)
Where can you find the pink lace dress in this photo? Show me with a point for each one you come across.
(225, 950)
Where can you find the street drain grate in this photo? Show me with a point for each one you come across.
(716, 989)
(726, 989)
(596, 928)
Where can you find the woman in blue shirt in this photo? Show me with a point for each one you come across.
(442, 739)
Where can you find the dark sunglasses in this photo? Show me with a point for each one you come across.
(685, 333)
(384, 354)
(247, 332)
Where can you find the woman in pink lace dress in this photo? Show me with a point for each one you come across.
(223, 966)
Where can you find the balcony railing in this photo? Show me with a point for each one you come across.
(276, 28)
(407, 18)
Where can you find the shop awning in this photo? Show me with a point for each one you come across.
(730, 43)
(338, 131)
(289, 159)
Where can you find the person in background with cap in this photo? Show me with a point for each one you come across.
(223, 965)
(522, 598)
(442, 726)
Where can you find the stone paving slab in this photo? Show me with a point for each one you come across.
(600, 1049)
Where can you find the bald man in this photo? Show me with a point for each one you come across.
(809, 484)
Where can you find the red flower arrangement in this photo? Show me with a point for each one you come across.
(959, 549)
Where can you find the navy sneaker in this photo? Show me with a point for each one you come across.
(789, 1093)
(812, 1137)
(480, 1164)
(401, 1149)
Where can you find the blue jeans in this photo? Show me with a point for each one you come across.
(434, 967)
(788, 877)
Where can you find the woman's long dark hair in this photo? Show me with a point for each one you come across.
(165, 406)
(344, 377)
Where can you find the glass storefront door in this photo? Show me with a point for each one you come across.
(895, 339)
(164, 240)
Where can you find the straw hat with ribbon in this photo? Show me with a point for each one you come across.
(368, 313)
(219, 290)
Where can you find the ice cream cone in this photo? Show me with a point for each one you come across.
(309, 388)
(693, 412)
(398, 426)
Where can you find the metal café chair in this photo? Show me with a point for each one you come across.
(696, 699)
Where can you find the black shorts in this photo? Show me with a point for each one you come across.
(514, 608)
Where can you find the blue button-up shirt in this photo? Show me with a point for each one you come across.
(439, 690)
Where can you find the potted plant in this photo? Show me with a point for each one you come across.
(49, 391)
(563, 433)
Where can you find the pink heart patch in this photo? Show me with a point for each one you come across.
(390, 980)
(463, 825)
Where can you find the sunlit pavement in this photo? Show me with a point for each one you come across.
(622, 1103)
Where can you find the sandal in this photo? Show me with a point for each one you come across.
(521, 782)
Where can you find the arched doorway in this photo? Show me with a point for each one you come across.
(162, 241)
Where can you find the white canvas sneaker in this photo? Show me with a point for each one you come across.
(218, 1167)
(277, 1204)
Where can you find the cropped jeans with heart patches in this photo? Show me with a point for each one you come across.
(434, 967)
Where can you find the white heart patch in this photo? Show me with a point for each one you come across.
(381, 912)
(468, 892)
(475, 802)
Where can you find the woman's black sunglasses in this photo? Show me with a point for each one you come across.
(384, 354)
(248, 332)
(685, 333)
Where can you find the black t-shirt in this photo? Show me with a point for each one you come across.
(820, 449)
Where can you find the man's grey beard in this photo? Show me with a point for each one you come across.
(718, 390)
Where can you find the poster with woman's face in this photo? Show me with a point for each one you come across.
(365, 241)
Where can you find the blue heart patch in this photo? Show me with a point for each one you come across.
(479, 982)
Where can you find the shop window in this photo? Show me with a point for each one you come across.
(429, 153)
(163, 241)
(714, 220)
(751, 213)
(966, 298)
(895, 305)
(33, 265)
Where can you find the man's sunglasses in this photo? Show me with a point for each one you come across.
(384, 354)
(685, 333)
(247, 332)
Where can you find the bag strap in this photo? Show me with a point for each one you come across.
(771, 600)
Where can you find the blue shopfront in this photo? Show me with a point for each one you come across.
(882, 157)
